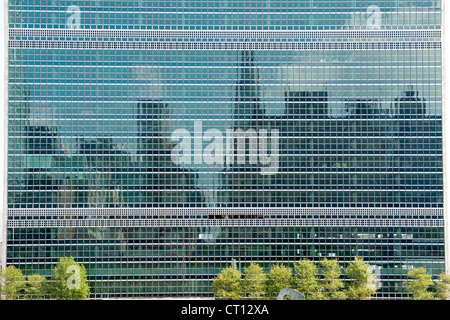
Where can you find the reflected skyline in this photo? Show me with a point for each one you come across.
(354, 89)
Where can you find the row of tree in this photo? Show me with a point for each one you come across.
(422, 287)
(304, 277)
(68, 282)
(322, 281)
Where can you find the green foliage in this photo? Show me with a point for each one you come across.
(306, 280)
(69, 281)
(227, 284)
(12, 283)
(332, 283)
(325, 283)
(279, 277)
(419, 284)
(362, 284)
(35, 289)
(443, 287)
(254, 284)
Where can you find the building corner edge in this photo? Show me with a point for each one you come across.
(4, 136)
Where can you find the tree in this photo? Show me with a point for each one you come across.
(227, 285)
(254, 282)
(279, 277)
(443, 287)
(306, 280)
(419, 284)
(69, 281)
(35, 289)
(362, 284)
(332, 283)
(12, 282)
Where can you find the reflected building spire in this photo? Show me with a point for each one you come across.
(248, 95)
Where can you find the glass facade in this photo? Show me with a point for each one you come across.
(158, 141)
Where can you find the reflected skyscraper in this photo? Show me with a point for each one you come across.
(248, 106)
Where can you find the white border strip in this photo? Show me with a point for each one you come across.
(195, 45)
(3, 132)
(446, 128)
(219, 34)
(148, 223)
